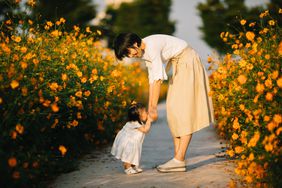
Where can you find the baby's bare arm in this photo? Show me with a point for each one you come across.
(146, 128)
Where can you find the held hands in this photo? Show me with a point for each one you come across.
(153, 113)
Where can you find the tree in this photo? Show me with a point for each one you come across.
(141, 17)
(225, 15)
(76, 12)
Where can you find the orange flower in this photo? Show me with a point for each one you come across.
(260, 88)
(16, 175)
(277, 118)
(236, 124)
(250, 36)
(266, 118)
(24, 91)
(230, 153)
(254, 140)
(19, 128)
(235, 136)
(14, 84)
(268, 147)
(23, 64)
(12, 161)
(268, 83)
(62, 149)
(251, 157)
(243, 22)
(13, 135)
(280, 48)
(271, 126)
(87, 93)
(54, 86)
(279, 82)
(78, 94)
(269, 96)
(239, 149)
(242, 79)
(54, 107)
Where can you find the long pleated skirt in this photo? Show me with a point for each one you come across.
(189, 107)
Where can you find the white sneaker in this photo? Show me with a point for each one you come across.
(137, 169)
(172, 166)
(130, 171)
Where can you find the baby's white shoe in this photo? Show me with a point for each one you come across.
(137, 169)
(130, 171)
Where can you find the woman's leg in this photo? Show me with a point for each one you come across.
(183, 143)
(176, 141)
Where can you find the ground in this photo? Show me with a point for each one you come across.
(206, 166)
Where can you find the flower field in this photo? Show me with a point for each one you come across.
(61, 94)
(246, 90)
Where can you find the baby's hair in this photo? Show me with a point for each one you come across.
(134, 112)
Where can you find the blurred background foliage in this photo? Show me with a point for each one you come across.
(223, 15)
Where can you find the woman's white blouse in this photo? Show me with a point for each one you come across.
(159, 50)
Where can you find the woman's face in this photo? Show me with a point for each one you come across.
(136, 52)
(143, 115)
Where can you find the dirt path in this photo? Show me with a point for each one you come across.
(204, 169)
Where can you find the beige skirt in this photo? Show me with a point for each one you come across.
(189, 108)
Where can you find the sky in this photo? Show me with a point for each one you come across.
(185, 14)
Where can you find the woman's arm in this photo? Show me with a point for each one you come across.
(154, 94)
(146, 128)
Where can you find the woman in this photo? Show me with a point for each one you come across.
(189, 108)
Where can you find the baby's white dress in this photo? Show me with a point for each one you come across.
(128, 143)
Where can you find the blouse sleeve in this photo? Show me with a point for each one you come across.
(157, 70)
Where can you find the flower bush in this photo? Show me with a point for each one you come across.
(60, 93)
(246, 91)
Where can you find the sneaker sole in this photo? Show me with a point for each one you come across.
(172, 170)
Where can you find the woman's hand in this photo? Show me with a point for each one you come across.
(153, 113)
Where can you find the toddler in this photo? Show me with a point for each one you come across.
(128, 142)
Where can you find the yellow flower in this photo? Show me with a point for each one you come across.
(76, 28)
(19, 128)
(271, 22)
(242, 107)
(62, 149)
(64, 77)
(243, 22)
(230, 153)
(280, 11)
(88, 30)
(250, 36)
(242, 63)
(275, 74)
(56, 33)
(99, 32)
(62, 20)
(242, 79)
(14, 84)
(1, 100)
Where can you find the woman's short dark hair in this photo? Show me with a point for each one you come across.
(124, 41)
(134, 112)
